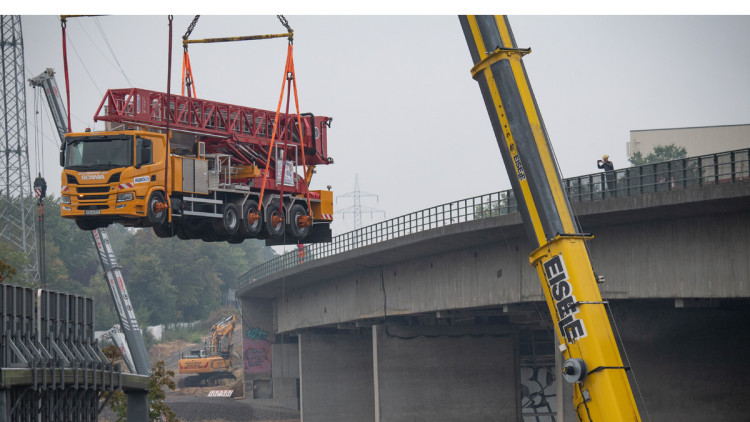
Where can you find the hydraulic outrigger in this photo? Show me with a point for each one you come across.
(602, 391)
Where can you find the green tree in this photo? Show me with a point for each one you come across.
(6, 271)
(71, 254)
(159, 379)
(659, 154)
(169, 280)
(149, 279)
(104, 309)
(11, 261)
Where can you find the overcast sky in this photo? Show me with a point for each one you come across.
(408, 119)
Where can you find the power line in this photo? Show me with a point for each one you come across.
(106, 41)
(84, 66)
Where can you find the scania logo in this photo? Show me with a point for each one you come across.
(92, 176)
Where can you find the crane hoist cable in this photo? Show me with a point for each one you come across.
(63, 24)
(168, 202)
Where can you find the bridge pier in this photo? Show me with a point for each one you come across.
(409, 373)
(445, 373)
(336, 377)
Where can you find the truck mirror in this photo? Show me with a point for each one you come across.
(62, 157)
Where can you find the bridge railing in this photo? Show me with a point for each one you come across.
(725, 167)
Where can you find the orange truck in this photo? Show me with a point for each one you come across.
(225, 173)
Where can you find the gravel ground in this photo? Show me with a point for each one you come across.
(192, 408)
(218, 409)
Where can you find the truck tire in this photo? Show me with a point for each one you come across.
(270, 215)
(189, 228)
(164, 230)
(248, 229)
(155, 217)
(229, 223)
(292, 228)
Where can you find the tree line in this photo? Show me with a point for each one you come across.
(168, 280)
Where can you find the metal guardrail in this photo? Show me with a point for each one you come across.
(686, 173)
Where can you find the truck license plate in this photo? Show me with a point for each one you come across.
(92, 212)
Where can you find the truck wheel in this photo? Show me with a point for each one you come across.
(156, 217)
(164, 230)
(250, 211)
(293, 227)
(274, 220)
(179, 230)
(229, 223)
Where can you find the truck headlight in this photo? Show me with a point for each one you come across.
(64, 199)
(122, 197)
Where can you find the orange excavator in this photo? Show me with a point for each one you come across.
(213, 363)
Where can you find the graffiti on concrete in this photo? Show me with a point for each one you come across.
(538, 388)
(257, 357)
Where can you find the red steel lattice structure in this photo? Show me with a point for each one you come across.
(244, 131)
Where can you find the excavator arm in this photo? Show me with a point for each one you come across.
(221, 335)
(602, 391)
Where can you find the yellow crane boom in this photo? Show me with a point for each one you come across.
(602, 391)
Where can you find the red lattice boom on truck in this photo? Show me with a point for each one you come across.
(244, 131)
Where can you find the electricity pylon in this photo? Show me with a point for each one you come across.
(16, 196)
(357, 209)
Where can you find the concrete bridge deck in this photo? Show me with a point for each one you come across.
(449, 323)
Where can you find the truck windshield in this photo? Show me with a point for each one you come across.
(100, 152)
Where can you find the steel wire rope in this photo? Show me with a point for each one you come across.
(625, 352)
(45, 137)
(103, 55)
(37, 131)
(106, 41)
(50, 120)
(86, 69)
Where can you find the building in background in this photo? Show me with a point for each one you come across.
(696, 140)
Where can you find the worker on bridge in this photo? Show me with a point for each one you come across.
(609, 173)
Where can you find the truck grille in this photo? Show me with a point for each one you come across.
(93, 197)
(93, 207)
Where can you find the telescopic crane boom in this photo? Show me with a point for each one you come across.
(602, 391)
(134, 349)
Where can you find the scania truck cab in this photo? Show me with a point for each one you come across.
(112, 177)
